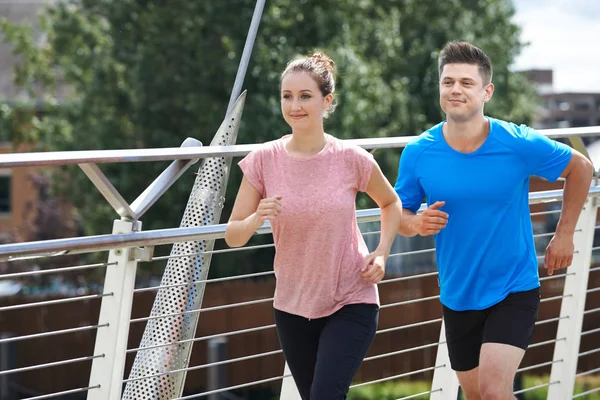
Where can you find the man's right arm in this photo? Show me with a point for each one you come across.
(410, 192)
(429, 222)
(407, 223)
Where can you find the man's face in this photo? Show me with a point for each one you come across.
(463, 92)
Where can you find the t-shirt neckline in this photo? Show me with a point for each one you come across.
(321, 153)
(472, 153)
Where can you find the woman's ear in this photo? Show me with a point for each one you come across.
(328, 100)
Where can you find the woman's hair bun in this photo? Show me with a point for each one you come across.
(322, 58)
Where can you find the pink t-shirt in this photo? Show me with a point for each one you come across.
(319, 248)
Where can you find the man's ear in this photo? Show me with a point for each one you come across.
(489, 92)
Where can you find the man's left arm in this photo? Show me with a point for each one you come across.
(578, 176)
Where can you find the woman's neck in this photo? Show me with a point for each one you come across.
(305, 144)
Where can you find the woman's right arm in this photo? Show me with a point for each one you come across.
(249, 213)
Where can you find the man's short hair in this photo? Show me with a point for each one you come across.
(466, 53)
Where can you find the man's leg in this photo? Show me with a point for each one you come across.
(469, 382)
(507, 332)
(464, 335)
(497, 367)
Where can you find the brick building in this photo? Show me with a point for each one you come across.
(18, 195)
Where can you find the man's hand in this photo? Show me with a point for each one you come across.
(559, 253)
(432, 220)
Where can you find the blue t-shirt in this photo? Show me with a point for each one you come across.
(486, 251)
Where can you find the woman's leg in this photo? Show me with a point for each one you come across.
(299, 339)
(345, 339)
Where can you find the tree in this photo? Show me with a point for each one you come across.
(149, 75)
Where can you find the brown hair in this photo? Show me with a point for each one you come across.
(466, 53)
(319, 66)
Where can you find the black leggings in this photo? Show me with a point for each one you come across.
(324, 353)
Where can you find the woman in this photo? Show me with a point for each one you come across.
(326, 302)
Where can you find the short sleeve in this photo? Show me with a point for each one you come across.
(407, 186)
(545, 157)
(363, 166)
(252, 167)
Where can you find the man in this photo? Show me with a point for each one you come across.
(474, 173)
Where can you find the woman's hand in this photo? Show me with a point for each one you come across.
(268, 209)
(373, 268)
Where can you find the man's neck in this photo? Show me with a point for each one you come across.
(466, 136)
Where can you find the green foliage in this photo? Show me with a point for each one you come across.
(582, 384)
(142, 75)
(390, 390)
(399, 389)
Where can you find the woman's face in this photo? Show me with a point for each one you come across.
(302, 103)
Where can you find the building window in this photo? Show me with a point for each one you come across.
(5, 192)
(580, 122)
(582, 106)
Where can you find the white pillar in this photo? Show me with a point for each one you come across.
(115, 311)
(572, 307)
(444, 377)
(288, 387)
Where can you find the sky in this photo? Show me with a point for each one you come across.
(564, 35)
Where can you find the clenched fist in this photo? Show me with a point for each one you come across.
(432, 220)
(268, 209)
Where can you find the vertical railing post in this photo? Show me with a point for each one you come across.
(444, 385)
(566, 352)
(115, 311)
(217, 374)
(7, 361)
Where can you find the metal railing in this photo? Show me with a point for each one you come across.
(574, 322)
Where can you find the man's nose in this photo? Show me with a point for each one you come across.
(456, 88)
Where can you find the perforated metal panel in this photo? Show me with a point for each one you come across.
(203, 208)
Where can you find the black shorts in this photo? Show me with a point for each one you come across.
(509, 322)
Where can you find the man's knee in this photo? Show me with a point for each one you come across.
(471, 393)
(490, 388)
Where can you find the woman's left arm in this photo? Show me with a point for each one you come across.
(380, 190)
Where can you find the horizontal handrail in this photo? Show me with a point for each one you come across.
(40, 159)
(557, 133)
(37, 159)
(159, 237)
